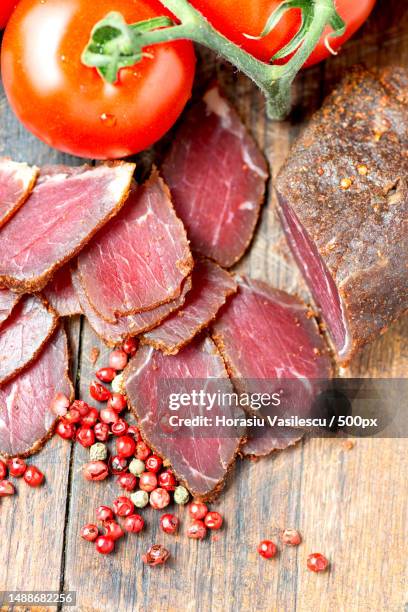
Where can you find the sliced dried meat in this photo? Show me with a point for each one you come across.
(132, 325)
(16, 183)
(64, 211)
(217, 176)
(8, 300)
(211, 287)
(140, 260)
(60, 293)
(271, 344)
(23, 335)
(26, 420)
(201, 459)
(261, 443)
(344, 201)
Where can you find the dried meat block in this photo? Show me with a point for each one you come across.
(263, 443)
(344, 201)
(26, 420)
(8, 300)
(200, 458)
(64, 211)
(132, 325)
(140, 260)
(271, 344)
(16, 183)
(23, 335)
(60, 293)
(211, 287)
(217, 177)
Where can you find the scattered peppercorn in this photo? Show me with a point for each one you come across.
(89, 532)
(213, 520)
(17, 467)
(140, 499)
(113, 530)
(136, 467)
(317, 562)
(181, 495)
(99, 392)
(98, 452)
(291, 537)
(159, 499)
(198, 510)
(130, 346)
(104, 513)
(134, 523)
(106, 374)
(127, 481)
(104, 544)
(125, 446)
(118, 384)
(197, 530)
(267, 549)
(3, 470)
(85, 436)
(154, 463)
(6, 488)
(169, 523)
(95, 471)
(118, 359)
(123, 506)
(147, 481)
(156, 555)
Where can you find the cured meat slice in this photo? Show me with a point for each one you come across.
(16, 183)
(61, 294)
(131, 325)
(200, 458)
(271, 344)
(64, 211)
(26, 420)
(217, 176)
(8, 300)
(343, 203)
(211, 287)
(140, 260)
(23, 335)
(263, 443)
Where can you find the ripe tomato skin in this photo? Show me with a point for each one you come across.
(68, 105)
(234, 18)
(6, 8)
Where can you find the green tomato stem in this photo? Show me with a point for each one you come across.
(115, 44)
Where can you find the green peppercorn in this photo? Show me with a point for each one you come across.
(98, 452)
(118, 384)
(140, 498)
(137, 467)
(181, 495)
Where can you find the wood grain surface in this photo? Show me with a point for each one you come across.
(350, 504)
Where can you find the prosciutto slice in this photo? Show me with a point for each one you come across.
(8, 300)
(26, 420)
(132, 325)
(23, 335)
(60, 293)
(217, 176)
(211, 287)
(200, 457)
(16, 183)
(271, 344)
(62, 214)
(140, 260)
(344, 207)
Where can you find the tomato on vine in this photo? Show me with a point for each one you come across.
(68, 105)
(236, 18)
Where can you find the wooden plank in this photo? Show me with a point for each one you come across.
(31, 554)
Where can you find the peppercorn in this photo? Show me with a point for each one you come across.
(213, 520)
(159, 499)
(156, 555)
(118, 384)
(3, 470)
(96, 471)
(317, 562)
(169, 523)
(123, 506)
(133, 523)
(197, 530)
(267, 549)
(140, 498)
(291, 537)
(181, 495)
(136, 467)
(198, 510)
(98, 452)
(89, 532)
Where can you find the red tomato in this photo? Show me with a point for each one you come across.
(234, 18)
(68, 105)
(6, 8)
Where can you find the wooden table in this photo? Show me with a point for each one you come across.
(349, 504)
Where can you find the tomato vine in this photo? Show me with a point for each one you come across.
(115, 44)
